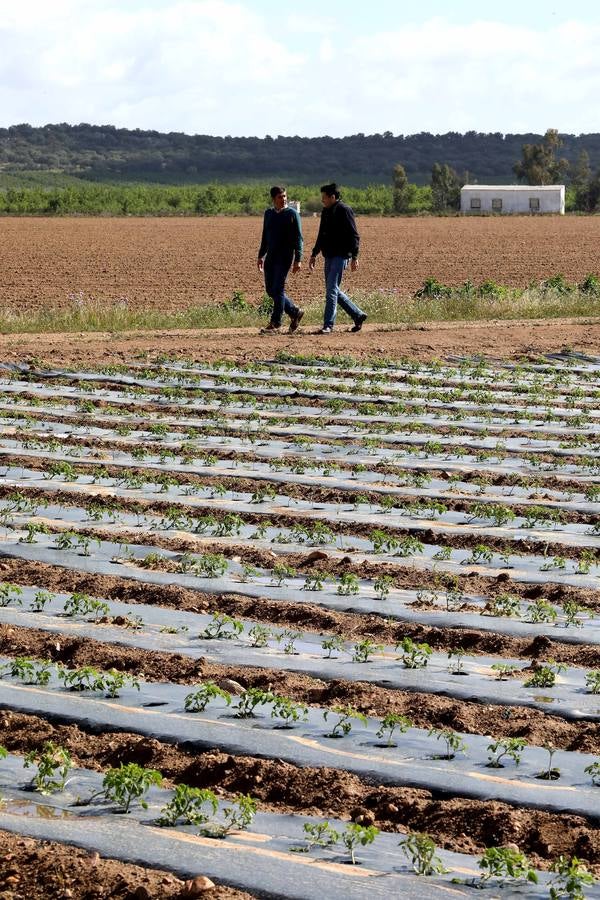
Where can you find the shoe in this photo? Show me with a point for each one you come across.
(270, 329)
(325, 330)
(295, 320)
(358, 323)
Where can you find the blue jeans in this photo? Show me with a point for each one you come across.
(334, 270)
(276, 273)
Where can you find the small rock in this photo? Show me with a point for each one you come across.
(142, 893)
(197, 886)
(315, 556)
(228, 684)
(94, 857)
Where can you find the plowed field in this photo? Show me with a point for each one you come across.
(172, 263)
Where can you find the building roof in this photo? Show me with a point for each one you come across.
(512, 187)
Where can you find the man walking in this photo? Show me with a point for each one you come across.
(338, 241)
(280, 249)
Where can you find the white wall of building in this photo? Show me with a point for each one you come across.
(530, 199)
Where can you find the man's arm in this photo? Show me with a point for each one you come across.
(318, 244)
(262, 250)
(298, 241)
(353, 235)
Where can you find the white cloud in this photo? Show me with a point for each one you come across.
(220, 67)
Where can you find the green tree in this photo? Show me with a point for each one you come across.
(404, 192)
(539, 163)
(581, 181)
(445, 188)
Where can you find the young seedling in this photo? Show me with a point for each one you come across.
(249, 700)
(506, 865)
(318, 834)
(364, 650)
(479, 554)
(348, 585)
(509, 748)
(504, 671)
(455, 661)
(544, 674)
(249, 572)
(594, 771)
(314, 581)
(550, 773)
(503, 605)
(187, 806)
(382, 586)
(540, 611)
(390, 723)
(345, 716)
(572, 877)
(237, 817)
(453, 741)
(259, 635)
(27, 670)
(357, 835)
(592, 680)
(211, 565)
(86, 678)
(10, 593)
(288, 712)
(289, 637)
(222, 627)
(414, 656)
(572, 609)
(280, 572)
(40, 600)
(53, 765)
(199, 699)
(129, 783)
(333, 644)
(420, 849)
(112, 681)
(32, 529)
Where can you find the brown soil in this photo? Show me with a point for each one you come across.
(172, 263)
(458, 824)
(309, 617)
(425, 710)
(509, 340)
(68, 872)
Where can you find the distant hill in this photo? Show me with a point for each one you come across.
(106, 153)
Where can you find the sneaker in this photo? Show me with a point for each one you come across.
(270, 329)
(358, 323)
(295, 320)
(325, 330)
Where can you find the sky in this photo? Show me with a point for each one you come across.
(257, 67)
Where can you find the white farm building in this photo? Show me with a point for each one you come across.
(478, 199)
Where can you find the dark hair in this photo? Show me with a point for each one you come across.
(276, 190)
(331, 190)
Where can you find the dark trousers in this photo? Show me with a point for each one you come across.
(276, 272)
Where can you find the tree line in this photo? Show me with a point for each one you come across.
(105, 153)
(540, 163)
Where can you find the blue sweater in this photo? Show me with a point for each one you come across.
(281, 236)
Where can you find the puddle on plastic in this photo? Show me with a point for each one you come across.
(32, 809)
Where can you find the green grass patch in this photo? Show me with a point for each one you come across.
(433, 302)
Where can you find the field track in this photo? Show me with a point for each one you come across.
(173, 263)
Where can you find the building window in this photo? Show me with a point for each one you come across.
(497, 204)
(475, 203)
(534, 204)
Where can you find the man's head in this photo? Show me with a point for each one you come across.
(279, 196)
(329, 194)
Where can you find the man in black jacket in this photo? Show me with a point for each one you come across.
(338, 241)
(280, 250)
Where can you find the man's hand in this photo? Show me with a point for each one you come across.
(296, 267)
(261, 265)
(311, 264)
(354, 265)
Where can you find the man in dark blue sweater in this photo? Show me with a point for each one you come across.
(280, 249)
(338, 241)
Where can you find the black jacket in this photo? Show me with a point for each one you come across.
(337, 232)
